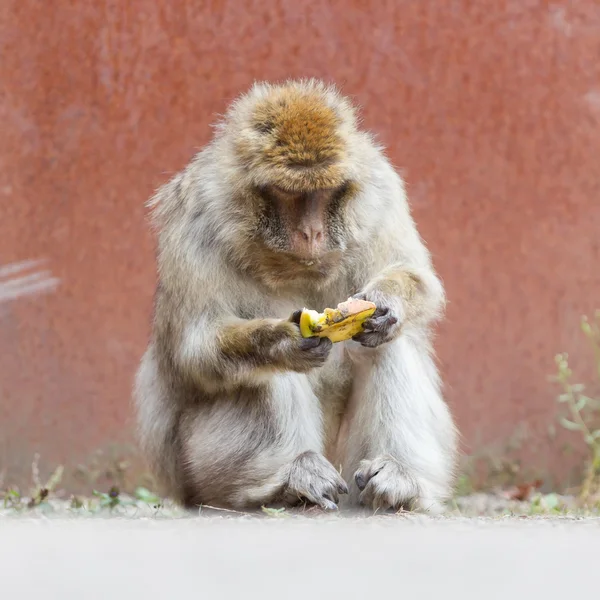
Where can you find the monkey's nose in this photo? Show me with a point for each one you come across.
(308, 241)
(312, 236)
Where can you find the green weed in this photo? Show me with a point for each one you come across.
(582, 410)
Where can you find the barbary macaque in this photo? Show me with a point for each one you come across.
(291, 205)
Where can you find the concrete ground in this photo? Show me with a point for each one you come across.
(218, 558)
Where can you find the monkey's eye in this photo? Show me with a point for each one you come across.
(343, 191)
(278, 192)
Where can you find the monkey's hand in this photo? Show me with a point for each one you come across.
(403, 296)
(302, 354)
(386, 322)
(253, 344)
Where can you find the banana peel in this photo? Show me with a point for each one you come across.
(338, 324)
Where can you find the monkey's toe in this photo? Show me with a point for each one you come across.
(314, 480)
(385, 484)
(361, 480)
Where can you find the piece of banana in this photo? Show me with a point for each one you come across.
(338, 324)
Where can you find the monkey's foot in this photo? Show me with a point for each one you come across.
(385, 484)
(313, 479)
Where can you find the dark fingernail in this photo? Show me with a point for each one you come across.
(360, 481)
(343, 488)
(295, 318)
(328, 504)
(333, 496)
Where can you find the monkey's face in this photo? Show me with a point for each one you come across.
(292, 146)
(307, 225)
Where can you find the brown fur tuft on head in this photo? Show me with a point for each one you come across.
(294, 135)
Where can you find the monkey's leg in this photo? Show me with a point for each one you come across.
(400, 437)
(258, 446)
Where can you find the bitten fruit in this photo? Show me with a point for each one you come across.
(338, 324)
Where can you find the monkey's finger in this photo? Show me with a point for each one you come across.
(321, 350)
(366, 496)
(332, 496)
(380, 323)
(314, 497)
(295, 317)
(366, 471)
(381, 502)
(360, 296)
(325, 345)
(338, 483)
(309, 343)
(380, 311)
(361, 480)
(373, 498)
(376, 465)
(370, 339)
(327, 504)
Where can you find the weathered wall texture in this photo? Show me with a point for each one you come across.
(490, 108)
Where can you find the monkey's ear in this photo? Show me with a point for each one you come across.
(295, 317)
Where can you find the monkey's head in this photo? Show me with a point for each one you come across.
(297, 156)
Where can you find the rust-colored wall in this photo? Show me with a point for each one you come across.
(491, 108)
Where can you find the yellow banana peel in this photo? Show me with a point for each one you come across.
(338, 324)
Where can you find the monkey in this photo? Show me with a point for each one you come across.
(292, 203)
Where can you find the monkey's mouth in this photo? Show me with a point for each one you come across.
(322, 265)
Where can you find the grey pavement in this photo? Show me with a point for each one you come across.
(214, 557)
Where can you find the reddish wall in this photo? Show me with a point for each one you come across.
(491, 108)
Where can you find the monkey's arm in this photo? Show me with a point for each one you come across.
(217, 350)
(271, 343)
(405, 296)
(399, 277)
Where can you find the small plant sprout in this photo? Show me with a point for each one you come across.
(109, 500)
(12, 499)
(41, 490)
(145, 495)
(583, 410)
